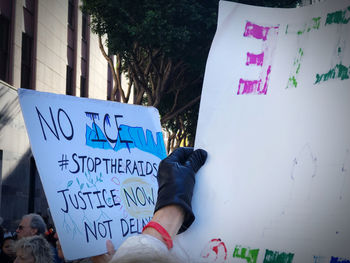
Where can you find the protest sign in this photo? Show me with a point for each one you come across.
(98, 163)
(274, 118)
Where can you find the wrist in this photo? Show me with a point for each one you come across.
(170, 218)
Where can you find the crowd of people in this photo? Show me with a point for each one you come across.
(33, 242)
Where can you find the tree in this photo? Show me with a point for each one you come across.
(161, 47)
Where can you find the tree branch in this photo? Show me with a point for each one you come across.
(175, 101)
(129, 85)
(169, 116)
(116, 78)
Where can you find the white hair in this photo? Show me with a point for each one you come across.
(37, 246)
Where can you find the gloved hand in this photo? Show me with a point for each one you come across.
(176, 178)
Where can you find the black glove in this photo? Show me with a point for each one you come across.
(176, 178)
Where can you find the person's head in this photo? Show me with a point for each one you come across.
(30, 225)
(34, 249)
(7, 246)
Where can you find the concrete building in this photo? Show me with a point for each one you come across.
(45, 45)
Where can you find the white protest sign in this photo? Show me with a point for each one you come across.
(98, 164)
(274, 118)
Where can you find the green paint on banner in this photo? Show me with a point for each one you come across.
(250, 255)
(338, 72)
(338, 17)
(301, 52)
(313, 24)
(292, 81)
(317, 22)
(277, 257)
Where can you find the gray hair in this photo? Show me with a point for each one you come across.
(37, 246)
(37, 222)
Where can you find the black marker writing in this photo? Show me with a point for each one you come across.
(83, 163)
(133, 225)
(96, 199)
(68, 134)
(101, 229)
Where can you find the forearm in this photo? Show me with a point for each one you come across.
(173, 212)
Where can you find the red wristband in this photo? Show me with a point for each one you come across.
(161, 230)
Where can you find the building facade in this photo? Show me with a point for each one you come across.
(45, 45)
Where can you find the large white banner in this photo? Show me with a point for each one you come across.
(274, 118)
(98, 163)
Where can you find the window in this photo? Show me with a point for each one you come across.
(26, 66)
(71, 13)
(4, 47)
(83, 89)
(84, 27)
(69, 81)
(85, 47)
(71, 48)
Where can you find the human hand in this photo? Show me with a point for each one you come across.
(105, 257)
(176, 179)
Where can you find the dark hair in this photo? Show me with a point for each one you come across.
(1, 235)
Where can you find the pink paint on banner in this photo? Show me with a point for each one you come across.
(259, 86)
(264, 91)
(248, 86)
(256, 31)
(115, 180)
(255, 59)
(253, 86)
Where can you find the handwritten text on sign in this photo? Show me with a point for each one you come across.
(98, 163)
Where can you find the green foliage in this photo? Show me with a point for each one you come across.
(163, 48)
(176, 27)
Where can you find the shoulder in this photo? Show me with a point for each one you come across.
(146, 248)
